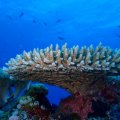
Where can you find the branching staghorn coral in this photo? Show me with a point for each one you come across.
(75, 69)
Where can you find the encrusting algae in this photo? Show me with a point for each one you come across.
(75, 69)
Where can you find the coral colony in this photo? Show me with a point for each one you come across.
(83, 72)
(67, 67)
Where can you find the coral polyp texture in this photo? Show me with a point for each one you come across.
(66, 67)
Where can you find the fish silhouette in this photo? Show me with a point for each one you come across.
(21, 14)
(60, 38)
(58, 20)
(34, 21)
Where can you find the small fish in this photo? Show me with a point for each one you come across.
(34, 21)
(61, 38)
(21, 14)
(58, 20)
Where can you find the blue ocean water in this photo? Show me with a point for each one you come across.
(29, 24)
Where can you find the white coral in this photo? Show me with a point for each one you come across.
(83, 59)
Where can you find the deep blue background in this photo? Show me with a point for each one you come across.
(27, 24)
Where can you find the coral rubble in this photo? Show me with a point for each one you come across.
(75, 69)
